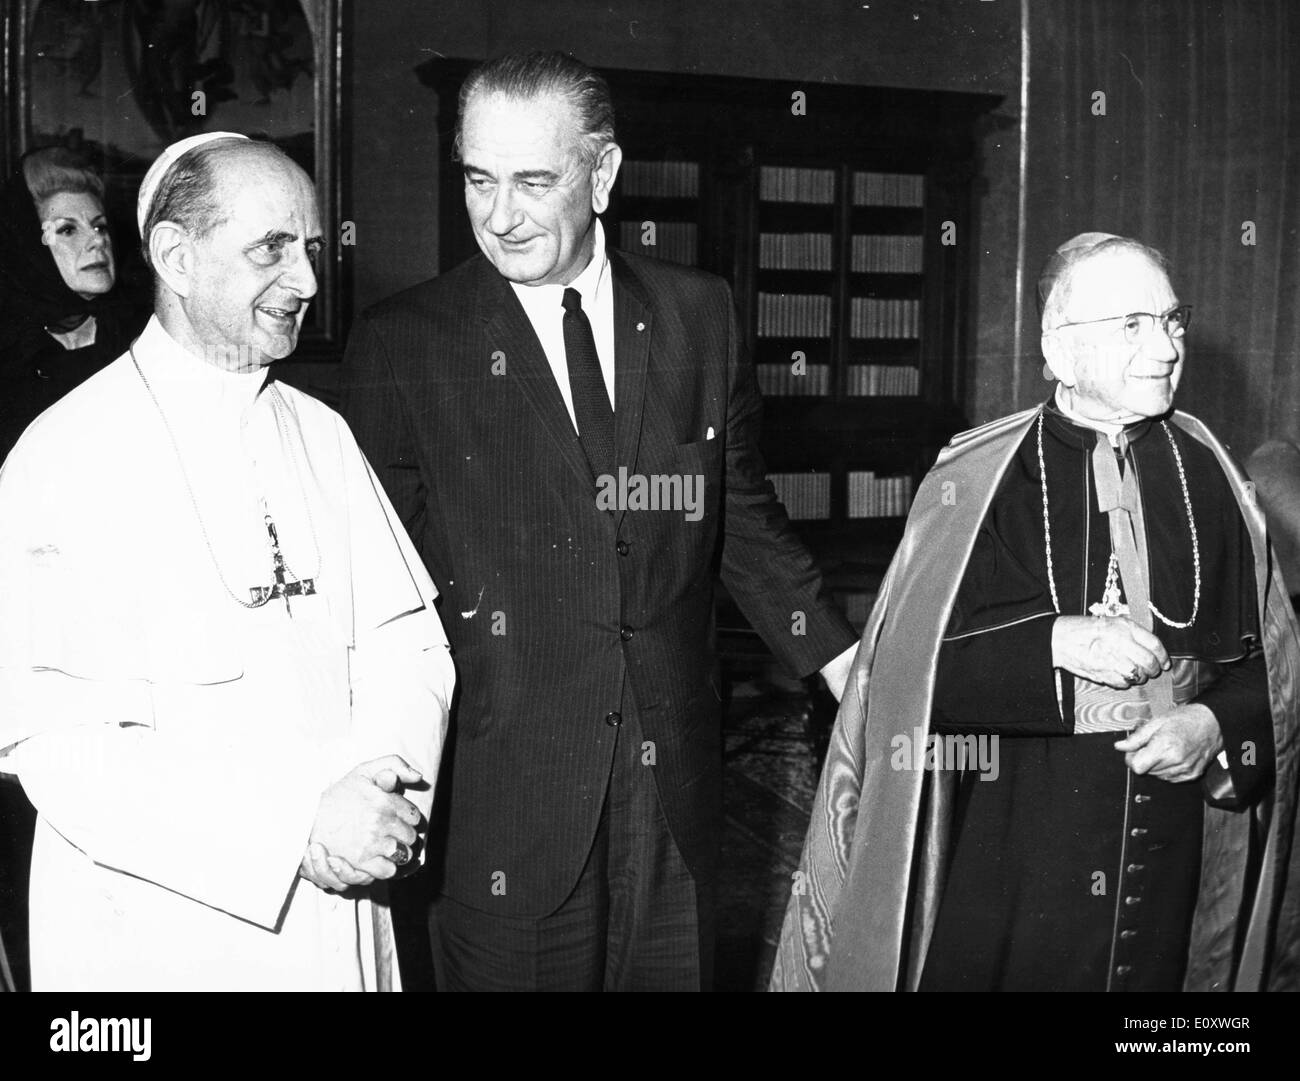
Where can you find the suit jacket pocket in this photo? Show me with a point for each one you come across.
(697, 468)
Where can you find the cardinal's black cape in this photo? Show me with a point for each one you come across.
(864, 899)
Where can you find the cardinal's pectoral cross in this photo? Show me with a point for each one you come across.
(1110, 604)
(281, 588)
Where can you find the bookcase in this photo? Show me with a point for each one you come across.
(843, 218)
(660, 210)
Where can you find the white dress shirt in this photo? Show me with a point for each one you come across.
(544, 306)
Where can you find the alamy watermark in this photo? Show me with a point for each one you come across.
(113, 1034)
(658, 491)
(932, 751)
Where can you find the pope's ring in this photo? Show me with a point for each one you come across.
(402, 856)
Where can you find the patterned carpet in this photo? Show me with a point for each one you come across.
(771, 766)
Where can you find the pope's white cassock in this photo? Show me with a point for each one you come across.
(175, 742)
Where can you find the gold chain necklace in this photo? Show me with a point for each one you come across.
(1110, 595)
(287, 582)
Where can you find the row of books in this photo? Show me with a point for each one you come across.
(814, 380)
(871, 317)
(887, 254)
(776, 184)
(676, 241)
(805, 496)
(871, 496)
(872, 380)
(786, 184)
(783, 380)
(888, 189)
(812, 251)
(794, 315)
(794, 251)
(661, 179)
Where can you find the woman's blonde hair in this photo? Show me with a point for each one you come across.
(57, 170)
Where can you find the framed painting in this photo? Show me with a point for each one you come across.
(121, 79)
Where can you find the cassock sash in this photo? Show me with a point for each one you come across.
(1098, 708)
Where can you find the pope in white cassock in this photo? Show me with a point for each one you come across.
(223, 683)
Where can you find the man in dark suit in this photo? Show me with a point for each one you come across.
(575, 546)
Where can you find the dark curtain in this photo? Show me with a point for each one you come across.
(1200, 135)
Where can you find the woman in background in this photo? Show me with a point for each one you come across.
(61, 320)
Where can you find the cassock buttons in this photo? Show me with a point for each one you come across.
(622, 547)
(1140, 798)
(1132, 900)
(625, 632)
(1128, 933)
(1137, 831)
(1134, 868)
(1123, 970)
(613, 719)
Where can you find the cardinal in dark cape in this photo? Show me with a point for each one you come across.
(1085, 605)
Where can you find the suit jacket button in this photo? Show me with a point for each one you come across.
(622, 547)
(625, 633)
(613, 719)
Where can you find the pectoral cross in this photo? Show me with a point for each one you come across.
(281, 588)
(1110, 604)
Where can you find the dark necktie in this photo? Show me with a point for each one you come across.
(590, 399)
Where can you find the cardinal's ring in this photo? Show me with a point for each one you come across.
(402, 856)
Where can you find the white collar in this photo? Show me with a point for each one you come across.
(1110, 428)
(78, 337)
(165, 360)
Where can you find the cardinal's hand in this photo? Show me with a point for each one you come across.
(1107, 649)
(1175, 747)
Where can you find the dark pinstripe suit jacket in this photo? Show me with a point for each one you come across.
(560, 613)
